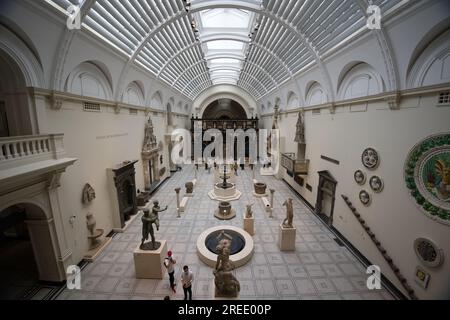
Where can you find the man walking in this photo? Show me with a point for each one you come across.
(169, 263)
(186, 278)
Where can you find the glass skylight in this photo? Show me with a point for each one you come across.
(257, 45)
(225, 55)
(225, 45)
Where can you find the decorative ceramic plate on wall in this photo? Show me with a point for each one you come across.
(428, 252)
(370, 159)
(365, 198)
(427, 176)
(376, 184)
(360, 177)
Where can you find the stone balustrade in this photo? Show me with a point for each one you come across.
(23, 150)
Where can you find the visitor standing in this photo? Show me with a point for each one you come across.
(187, 277)
(169, 263)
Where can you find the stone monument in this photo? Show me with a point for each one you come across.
(249, 220)
(88, 194)
(287, 233)
(227, 286)
(96, 242)
(189, 189)
(225, 211)
(288, 222)
(148, 219)
(149, 257)
(94, 234)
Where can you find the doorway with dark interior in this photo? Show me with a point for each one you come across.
(18, 269)
(4, 130)
(326, 197)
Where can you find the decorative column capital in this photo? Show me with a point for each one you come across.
(394, 100)
(55, 102)
(177, 190)
(54, 180)
(117, 108)
(332, 108)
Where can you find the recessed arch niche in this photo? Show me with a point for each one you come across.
(224, 109)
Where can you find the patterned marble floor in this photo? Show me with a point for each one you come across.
(319, 269)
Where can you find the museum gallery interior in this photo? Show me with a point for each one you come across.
(117, 168)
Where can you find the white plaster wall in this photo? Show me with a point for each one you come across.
(393, 215)
(99, 141)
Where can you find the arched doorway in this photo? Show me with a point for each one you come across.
(224, 109)
(19, 251)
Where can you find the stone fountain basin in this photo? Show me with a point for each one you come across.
(225, 206)
(240, 259)
(260, 188)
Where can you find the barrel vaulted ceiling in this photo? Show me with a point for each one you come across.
(255, 44)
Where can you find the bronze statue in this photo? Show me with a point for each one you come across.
(148, 219)
(288, 222)
(226, 283)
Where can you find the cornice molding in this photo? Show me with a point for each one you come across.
(56, 99)
(392, 98)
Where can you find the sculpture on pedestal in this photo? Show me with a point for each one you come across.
(88, 194)
(189, 187)
(226, 283)
(300, 132)
(288, 222)
(94, 234)
(148, 219)
(150, 156)
(249, 212)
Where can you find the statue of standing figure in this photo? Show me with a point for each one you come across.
(148, 219)
(249, 212)
(288, 222)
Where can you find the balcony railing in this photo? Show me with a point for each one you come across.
(23, 150)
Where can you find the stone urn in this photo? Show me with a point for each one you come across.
(94, 234)
(260, 188)
(189, 187)
(225, 208)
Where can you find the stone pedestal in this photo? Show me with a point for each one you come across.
(92, 254)
(249, 225)
(149, 264)
(224, 216)
(230, 194)
(286, 238)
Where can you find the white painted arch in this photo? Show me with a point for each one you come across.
(225, 91)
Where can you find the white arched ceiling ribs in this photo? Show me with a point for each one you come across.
(64, 48)
(389, 60)
(163, 16)
(194, 82)
(274, 59)
(293, 21)
(223, 56)
(292, 36)
(263, 71)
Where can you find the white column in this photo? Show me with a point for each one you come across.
(177, 190)
(272, 193)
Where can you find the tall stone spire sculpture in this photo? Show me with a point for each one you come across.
(300, 132)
